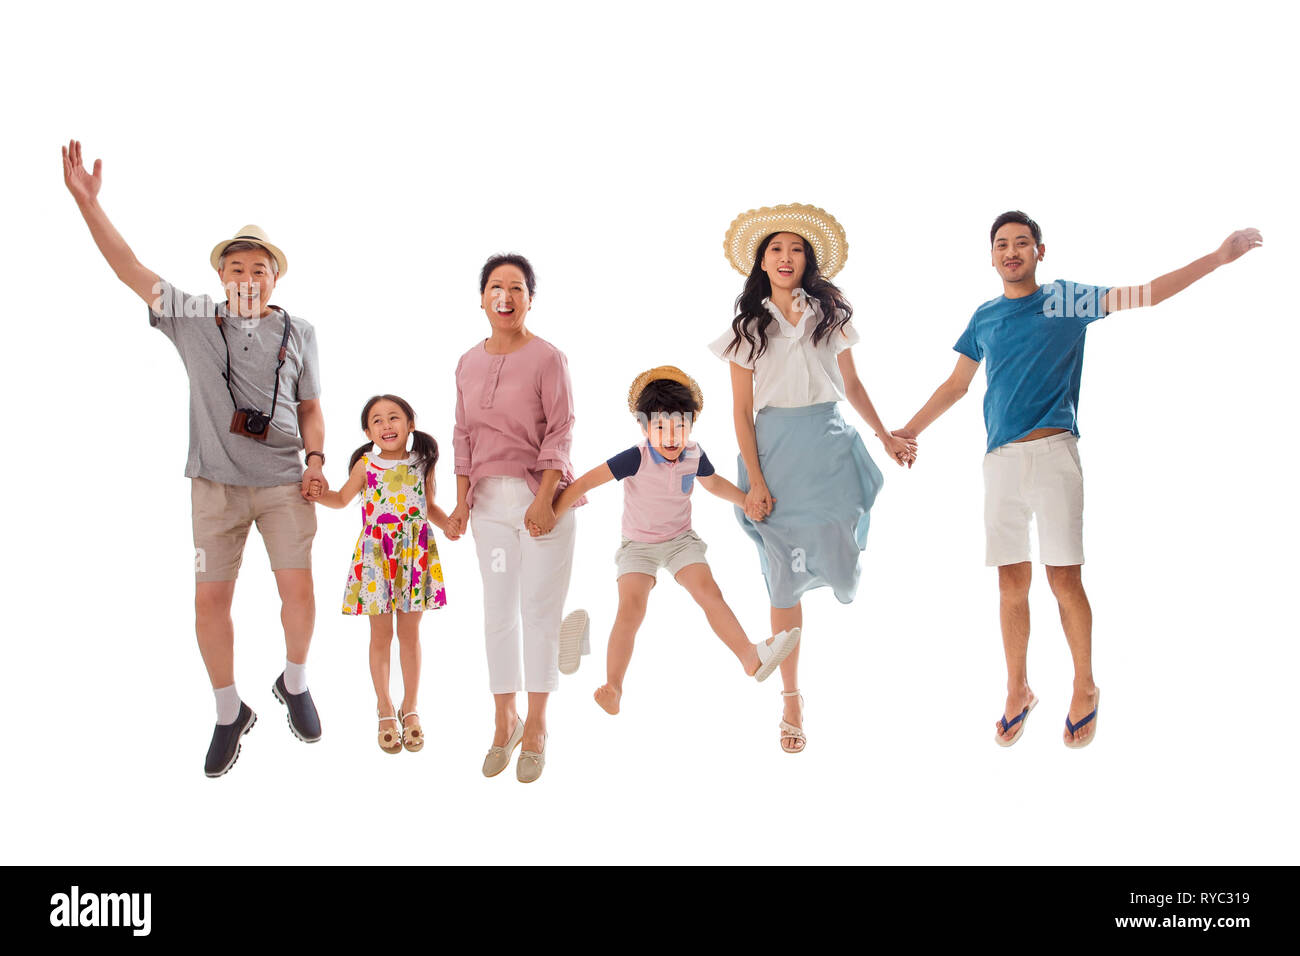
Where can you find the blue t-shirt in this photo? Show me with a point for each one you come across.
(1032, 349)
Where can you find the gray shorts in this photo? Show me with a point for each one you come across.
(641, 557)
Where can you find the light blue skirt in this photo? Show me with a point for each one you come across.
(824, 483)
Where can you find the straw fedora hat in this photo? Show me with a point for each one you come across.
(257, 234)
(673, 374)
(817, 226)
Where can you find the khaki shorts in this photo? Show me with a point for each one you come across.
(640, 557)
(1040, 478)
(223, 513)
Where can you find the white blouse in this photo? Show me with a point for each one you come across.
(793, 373)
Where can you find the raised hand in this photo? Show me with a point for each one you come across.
(1234, 247)
(84, 186)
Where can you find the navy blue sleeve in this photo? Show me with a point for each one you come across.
(706, 466)
(626, 463)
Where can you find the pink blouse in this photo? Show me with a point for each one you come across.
(514, 415)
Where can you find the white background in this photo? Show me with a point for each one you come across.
(390, 152)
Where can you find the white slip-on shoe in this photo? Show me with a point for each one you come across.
(771, 655)
(575, 640)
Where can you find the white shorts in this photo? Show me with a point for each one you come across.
(1041, 478)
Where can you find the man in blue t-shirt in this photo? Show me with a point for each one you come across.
(1031, 342)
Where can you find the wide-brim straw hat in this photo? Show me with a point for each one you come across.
(817, 226)
(257, 234)
(673, 374)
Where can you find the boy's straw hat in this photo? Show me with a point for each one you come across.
(817, 226)
(673, 374)
(257, 234)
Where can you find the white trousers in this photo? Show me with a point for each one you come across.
(523, 577)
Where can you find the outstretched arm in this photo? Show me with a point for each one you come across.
(597, 476)
(902, 450)
(351, 488)
(715, 484)
(944, 397)
(1171, 283)
(84, 187)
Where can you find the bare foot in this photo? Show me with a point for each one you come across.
(1083, 703)
(1017, 701)
(608, 696)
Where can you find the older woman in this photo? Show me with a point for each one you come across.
(514, 418)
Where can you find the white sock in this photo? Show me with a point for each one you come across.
(295, 677)
(227, 704)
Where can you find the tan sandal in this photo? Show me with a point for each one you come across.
(412, 737)
(793, 739)
(390, 738)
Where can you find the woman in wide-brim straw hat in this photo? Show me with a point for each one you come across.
(808, 479)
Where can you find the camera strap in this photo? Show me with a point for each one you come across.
(284, 351)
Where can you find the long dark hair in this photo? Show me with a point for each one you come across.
(423, 446)
(750, 323)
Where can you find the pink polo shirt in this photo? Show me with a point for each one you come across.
(657, 492)
(514, 415)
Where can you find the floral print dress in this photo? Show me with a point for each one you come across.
(395, 565)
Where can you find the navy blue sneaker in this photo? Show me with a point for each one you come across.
(224, 749)
(303, 719)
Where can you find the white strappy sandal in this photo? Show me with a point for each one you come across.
(791, 733)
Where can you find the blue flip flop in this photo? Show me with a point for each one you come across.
(1073, 728)
(1004, 741)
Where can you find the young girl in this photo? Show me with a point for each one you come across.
(807, 507)
(395, 567)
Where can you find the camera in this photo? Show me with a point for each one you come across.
(250, 422)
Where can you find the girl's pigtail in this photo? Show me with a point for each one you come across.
(358, 454)
(425, 450)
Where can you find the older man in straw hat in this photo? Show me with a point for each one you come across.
(254, 407)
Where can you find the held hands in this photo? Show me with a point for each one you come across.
(758, 501)
(1234, 247)
(84, 186)
(540, 517)
(901, 445)
(447, 524)
(314, 484)
(457, 522)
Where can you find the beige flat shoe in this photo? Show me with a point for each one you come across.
(793, 739)
(498, 758)
(413, 736)
(530, 764)
(390, 738)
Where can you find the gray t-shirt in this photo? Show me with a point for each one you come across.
(216, 453)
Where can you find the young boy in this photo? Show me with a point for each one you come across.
(658, 476)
